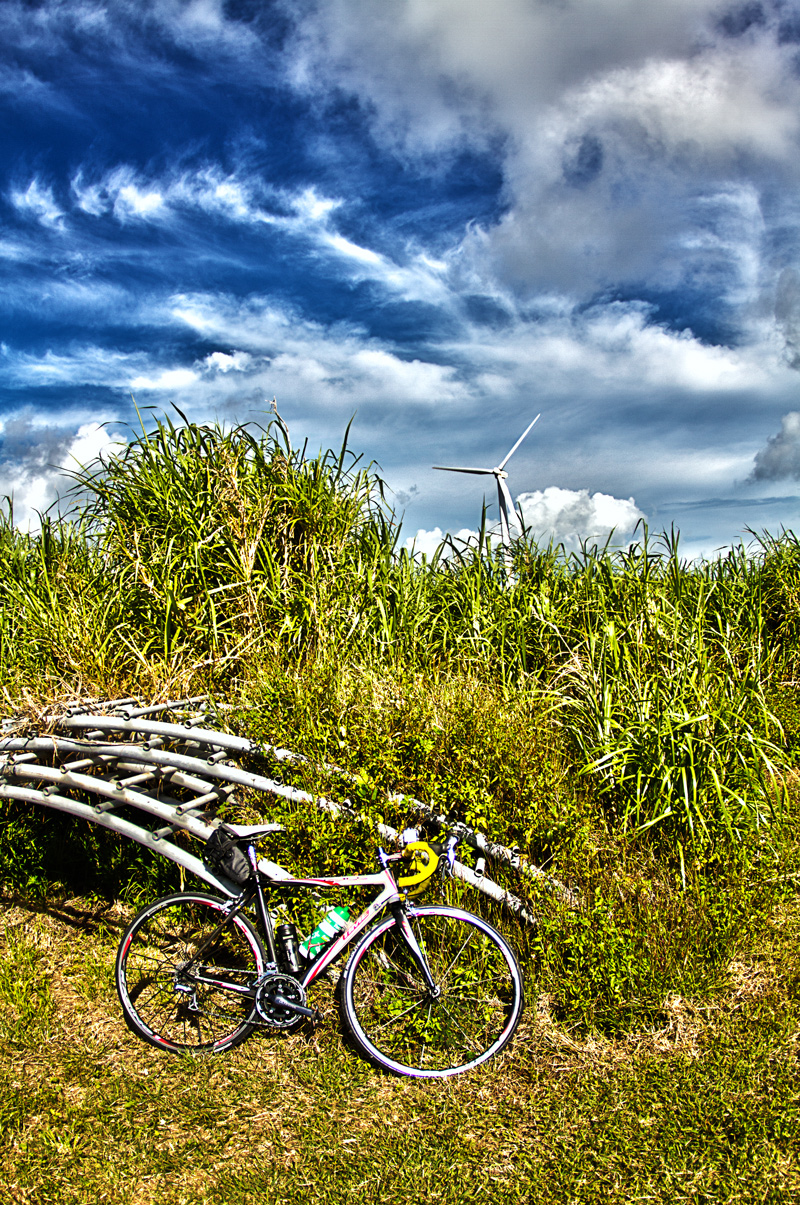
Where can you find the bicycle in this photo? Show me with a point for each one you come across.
(429, 991)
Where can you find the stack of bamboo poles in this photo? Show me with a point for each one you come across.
(152, 772)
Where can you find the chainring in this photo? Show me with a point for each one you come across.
(281, 985)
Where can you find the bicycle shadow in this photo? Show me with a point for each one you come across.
(91, 917)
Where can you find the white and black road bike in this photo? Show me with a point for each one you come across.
(428, 990)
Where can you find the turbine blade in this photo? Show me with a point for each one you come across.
(508, 504)
(449, 468)
(502, 505)
(508, 456)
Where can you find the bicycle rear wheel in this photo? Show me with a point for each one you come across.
(401, 1025)
(178, 972)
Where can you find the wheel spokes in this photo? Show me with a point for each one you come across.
(472, 1013)
(163, 954)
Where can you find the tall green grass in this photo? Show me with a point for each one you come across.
(627, 718)
(200, 551)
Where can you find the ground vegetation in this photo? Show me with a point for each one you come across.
(628, 719)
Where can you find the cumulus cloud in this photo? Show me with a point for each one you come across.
(425, 543)
(36, 459)
(571, 516)
(608, 349)
(613, 346)
(237, 361)
(631, 132)
(781, 455)
(299, 358)
(568, 517)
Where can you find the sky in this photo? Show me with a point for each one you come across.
(441, 217)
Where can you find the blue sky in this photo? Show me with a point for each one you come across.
(443, 216)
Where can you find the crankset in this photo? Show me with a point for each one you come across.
(281, 1001)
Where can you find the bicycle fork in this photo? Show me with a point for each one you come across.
(416, 951)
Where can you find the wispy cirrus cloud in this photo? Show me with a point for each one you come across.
(444, 215)
(38, 203)
(242, 199)
(87, 34)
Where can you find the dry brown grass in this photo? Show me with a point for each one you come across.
(90, 1113)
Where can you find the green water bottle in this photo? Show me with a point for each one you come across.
(332, 924)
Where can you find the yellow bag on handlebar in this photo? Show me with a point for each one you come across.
(423, 863)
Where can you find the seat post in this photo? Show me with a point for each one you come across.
(261, 904)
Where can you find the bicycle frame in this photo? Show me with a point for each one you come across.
(447, 1024)
(385, 898)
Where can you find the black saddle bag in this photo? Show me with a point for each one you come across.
(223, 854)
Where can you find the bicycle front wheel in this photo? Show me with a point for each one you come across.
(185, 974)
(409, 1030)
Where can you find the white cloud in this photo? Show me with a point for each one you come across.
(612, 347)
(131, 201)
(20, 82)
(205, 28)
(91, 198)
(36, 459)
(79, 31)
(246, 199)
(571, 516)
(637, 146)
(780, 457)
(122, 192)
(235, 197)
(170, 378)
(306, 361)
(38, 201)
(352, 250)
(615, 347)
(237, 361)
(437, 72)
(85, 365)
(715, 101)
(309, 205)
(91, 439)
(631, 132)
(90, 365)
(425, 543)
(581, 369)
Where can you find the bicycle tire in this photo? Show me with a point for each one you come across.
(163, 1001)
(392, 1016)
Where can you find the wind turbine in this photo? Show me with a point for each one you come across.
(508, 513)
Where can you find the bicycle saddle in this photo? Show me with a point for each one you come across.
(253, 830)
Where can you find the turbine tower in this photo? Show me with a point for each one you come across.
(508, 513)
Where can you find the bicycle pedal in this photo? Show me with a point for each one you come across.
(293, 1007)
